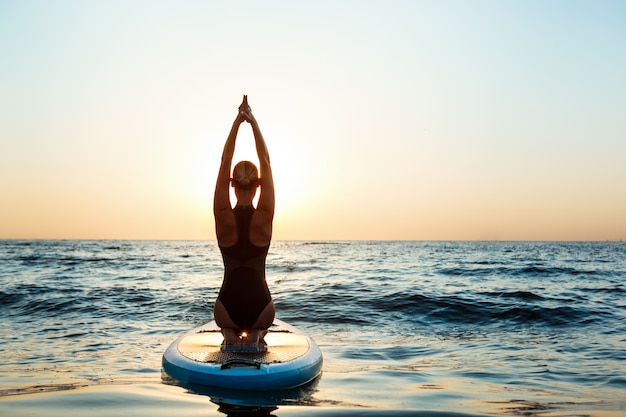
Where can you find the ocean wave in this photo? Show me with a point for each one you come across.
(522, 295)
(455, 310)
(616, 289)
(529, 271)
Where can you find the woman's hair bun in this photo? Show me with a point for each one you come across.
(245, 173)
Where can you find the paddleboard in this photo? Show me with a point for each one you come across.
(292, 359)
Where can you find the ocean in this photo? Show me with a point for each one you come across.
(406, 328)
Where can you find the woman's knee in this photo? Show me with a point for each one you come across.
(266, 318)
(221, 316)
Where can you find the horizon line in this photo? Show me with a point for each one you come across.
(311, 240)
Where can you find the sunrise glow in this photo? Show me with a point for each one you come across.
(418, 120)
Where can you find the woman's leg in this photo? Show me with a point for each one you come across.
(266, 318)
(260, 326)
(255, 335)
(229, 328)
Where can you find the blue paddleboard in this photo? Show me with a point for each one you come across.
(292, 359)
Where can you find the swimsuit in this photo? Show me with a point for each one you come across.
(244, 291)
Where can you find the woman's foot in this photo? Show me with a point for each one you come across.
(252, 341)
(232, 341)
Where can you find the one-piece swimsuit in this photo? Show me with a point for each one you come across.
(244, 291)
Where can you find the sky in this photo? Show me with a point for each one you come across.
(385, 120)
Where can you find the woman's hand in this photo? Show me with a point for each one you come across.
(245, 111)
(241, 117)
(244, 106)
(248, 117)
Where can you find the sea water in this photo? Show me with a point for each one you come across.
(418, 328)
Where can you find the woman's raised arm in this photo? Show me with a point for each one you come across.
(261, 227)
(222, 209)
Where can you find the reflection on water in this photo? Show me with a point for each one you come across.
(239, 410)
(240, 402)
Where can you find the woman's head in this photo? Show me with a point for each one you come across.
(245, 175)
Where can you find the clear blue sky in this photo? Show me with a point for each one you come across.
(384, 119)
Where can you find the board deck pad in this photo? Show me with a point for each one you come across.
(205, 346)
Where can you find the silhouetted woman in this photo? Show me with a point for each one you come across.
(244, 308)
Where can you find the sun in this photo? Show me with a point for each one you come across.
(291, 167)
(292, 164)
(293, 178)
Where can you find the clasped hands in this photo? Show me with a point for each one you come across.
(245, 111)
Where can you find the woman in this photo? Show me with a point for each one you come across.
(244, 308)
